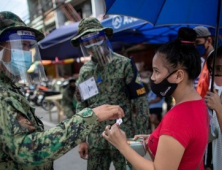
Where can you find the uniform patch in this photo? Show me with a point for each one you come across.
(135, 88)
(141, 91)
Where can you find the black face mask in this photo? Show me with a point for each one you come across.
(164, 88)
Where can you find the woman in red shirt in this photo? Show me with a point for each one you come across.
(180, 139)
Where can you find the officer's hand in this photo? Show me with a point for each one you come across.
(105, 112)
(83, 150)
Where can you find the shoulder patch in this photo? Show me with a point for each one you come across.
(135, 88)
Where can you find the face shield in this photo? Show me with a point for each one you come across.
(18, 53)
(97, 46)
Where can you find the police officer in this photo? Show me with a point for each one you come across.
(110, 78)
(23, 142)
(68, 99)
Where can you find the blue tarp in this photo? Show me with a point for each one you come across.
(57, 43)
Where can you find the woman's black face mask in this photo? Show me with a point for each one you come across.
(164, 88)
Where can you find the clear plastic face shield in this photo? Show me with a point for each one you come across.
(97, 46)
(20, 59)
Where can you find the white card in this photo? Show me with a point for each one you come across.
(88, 88)
(119, 121)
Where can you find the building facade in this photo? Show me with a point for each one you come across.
(47, 15)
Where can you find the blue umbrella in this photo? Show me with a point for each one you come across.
(167, 12)
(171, 12)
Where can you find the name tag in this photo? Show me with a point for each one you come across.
(88, 88)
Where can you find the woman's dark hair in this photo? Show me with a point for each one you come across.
(182, 52)
(210, 58)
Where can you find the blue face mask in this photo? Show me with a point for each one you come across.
(20, 61)
(201, 49)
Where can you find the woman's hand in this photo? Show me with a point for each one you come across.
(115, 136)
(145, 138)
(105, 112)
